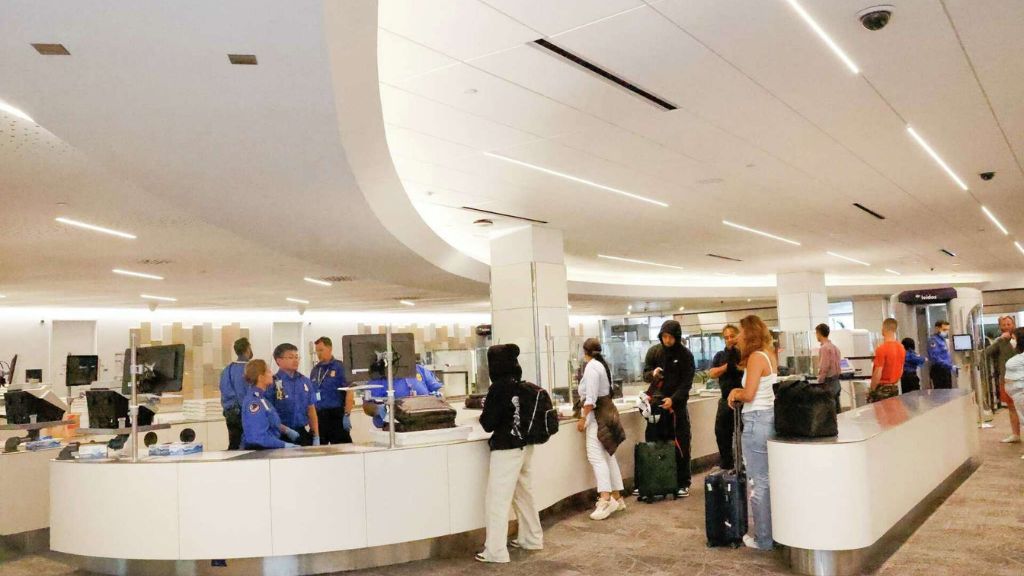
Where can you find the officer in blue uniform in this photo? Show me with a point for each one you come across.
(261, 425)
(375, 402)
(294, 397)
(941, 369)
(233, 390)
(333, 406)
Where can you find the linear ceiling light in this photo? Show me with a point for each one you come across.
(760, 232)
(995, 221)
(937, 158)
(949, 253)
(297, 300)
(406, 302)
(317, 281)
(893, 272)
(824, 36)
(847, 258)
(5, 107)
(94, 228)
(639, 262)
(160, 298)
(1019, 247)
(136, 274)
(575, 179)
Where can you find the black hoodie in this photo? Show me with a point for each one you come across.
(501, 411)
(676, 363)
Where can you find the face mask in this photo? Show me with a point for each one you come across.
(945, 333)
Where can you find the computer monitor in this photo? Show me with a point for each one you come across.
(162, 368)
(363, 355)
(82, 370)
(106, 407)
(963, 342)
(41, 403)
(33, 375)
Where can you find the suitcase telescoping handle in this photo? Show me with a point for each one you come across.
(737, 437)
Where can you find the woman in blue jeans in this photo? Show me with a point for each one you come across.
(757, 357)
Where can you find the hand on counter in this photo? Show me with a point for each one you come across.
(290, 445)
(346, 423)
(289, 433)
(316, 440)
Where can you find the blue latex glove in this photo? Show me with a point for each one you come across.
(290, 434)
(437, 393)
(346, 423)
(316, 440)
(290, 445)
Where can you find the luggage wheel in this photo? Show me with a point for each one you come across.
(734, 545)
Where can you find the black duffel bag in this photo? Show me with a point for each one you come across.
(803, 410)
(418, 413)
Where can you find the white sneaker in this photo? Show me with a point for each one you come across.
(750, 542)
(1011, 439)
(620, 505)
(604, 509)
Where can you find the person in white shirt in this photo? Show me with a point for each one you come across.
(595, 391)
(1014, 373)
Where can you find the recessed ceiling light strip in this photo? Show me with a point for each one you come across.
(317, 281)
(1019, 247)
(869, 210)
(634, 261)
(136, 274)
(95, 228)
(760, 232)
(848, 259)
(938, 159)
(824, 36)
(575, 179)
(947, 252)
(406, 302)
(160, 298)
(297, 300)
(893, 272)
(995, 220)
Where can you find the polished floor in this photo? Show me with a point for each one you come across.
(978, 531)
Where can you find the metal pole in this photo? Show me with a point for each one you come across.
(549, 342)
(391, 392)
(536, 320)
(133, 407)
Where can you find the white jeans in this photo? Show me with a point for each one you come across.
(606, 467)
(1017, 394)
(509, 485)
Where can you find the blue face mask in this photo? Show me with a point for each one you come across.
(945, 333)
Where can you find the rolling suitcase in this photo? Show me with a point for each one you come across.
(725, 498)
(418, 413)
(655, 470)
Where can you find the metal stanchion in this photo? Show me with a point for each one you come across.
(133, 407)
(391, 391)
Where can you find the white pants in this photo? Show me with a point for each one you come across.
(509, 485)
(1017, 394)
(606, 467)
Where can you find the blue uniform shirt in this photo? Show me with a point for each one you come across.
(261, 425)
(911, 362)
(328, 377)
(233, 387)
(292, 396)
(938, 351)
(423, 384)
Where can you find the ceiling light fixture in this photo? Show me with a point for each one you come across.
(406, 302)
(681, 308)
(760, 232)
(5, 107)
(937, 158)
(949, 253)
(94, 228)
(317, 281)
(1019, 247)
(995, 220)
(575, 179)
(136, 274)
(2, 296)
(824, 36)
(847, 258)
(631, 260)
(297, 300)
(160, 298)
(893, 272)
(242, 59)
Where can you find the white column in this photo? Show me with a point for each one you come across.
(529, 292)
(803, 303)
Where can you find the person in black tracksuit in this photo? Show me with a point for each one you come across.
(669, 369)
(725, 367)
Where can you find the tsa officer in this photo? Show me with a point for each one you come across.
(333, 406)
(233, 392)
(941, 369)
(261, 425)
(294, 397)
(423, 384)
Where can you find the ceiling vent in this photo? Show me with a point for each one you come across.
(947, 253)
(339, 278)
(604, 74)
(513, 216)
(729, 258)
(153, 261)
(869, 210)
(242, 59)
(51, 49)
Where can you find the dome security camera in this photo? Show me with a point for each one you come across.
(876, 17)
(986, 176)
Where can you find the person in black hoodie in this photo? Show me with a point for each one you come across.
(509, 482)
(669, 369)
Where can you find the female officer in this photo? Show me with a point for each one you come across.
(261, 426)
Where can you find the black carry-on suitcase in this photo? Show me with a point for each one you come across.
(655, 470)
(725, 498)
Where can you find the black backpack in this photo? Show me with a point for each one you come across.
(539, 419)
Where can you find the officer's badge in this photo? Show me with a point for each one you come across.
(254, 407)
(419, 377)
(332, 373)
(305, 387)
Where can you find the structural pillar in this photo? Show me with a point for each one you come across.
(530, 302)
(802, 301)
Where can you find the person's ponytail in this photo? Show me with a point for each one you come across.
(592, 348)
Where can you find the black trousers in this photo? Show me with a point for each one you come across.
(332, 426)
(233, 418)
(724, 424)
(942, 377)
(910, 383)
(675, 427)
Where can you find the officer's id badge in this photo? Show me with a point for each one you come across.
(419, 377)
(305, 388)
(254, 407)
(332, 373)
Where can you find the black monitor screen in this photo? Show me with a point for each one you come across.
(82, 370)
(22, 405)
(364, 355)
(34, 375)
(161, 368)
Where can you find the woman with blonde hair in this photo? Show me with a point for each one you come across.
(760, 363)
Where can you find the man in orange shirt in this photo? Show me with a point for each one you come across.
(888, 367)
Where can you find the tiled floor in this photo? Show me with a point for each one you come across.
(978, 531)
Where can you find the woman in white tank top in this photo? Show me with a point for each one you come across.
(757, 356)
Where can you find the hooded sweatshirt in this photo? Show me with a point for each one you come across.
(676, 364)
(501, 414)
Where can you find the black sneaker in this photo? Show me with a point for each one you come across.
(683, 493)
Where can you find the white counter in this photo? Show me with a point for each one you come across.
(26, 491)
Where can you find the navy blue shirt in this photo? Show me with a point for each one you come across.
(938, 351)
(292, 396)
(233, 387)
(261, 425)
(328, 377)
